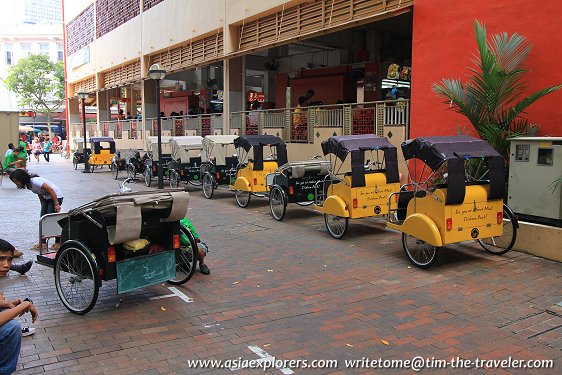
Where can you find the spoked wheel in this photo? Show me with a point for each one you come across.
(277, 203)
(242, 198)
(114, 170)
(422, 254)
(195, 181)
(502, 244)
(336, 225)
(75, 162)
(186, 260)
(77, 278)
(208, 185)
(174, 179)
(131, 172)
(147, 176)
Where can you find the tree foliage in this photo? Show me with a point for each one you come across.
(490, 98)
(38, 82)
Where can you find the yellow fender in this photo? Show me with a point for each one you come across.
(423, 228)
(242, 184)
(334, 205)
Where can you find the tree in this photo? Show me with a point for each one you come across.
(39, 84)
(490, 98)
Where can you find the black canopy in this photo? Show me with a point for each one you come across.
(258, 142)
(357, 145)
(341, 145)
(434, 151)
(101, 139)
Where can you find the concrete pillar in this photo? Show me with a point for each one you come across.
(74, 115)
(148, 91)
(233, 99)
(104, 108)
(131, 105)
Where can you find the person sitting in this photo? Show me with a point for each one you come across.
(9, 150)
(16, 159)
(202, 248)
(11, 331)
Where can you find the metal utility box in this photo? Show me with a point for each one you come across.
(535, 163)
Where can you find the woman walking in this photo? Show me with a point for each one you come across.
(46, 145)
(49, 195)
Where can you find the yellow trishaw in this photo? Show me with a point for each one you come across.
(102, 152)
(362, 192)
(455, 196)
(251, 173)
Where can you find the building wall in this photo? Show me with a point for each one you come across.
(443, 46)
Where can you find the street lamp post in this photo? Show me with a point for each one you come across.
(83, 96)
(157, 73)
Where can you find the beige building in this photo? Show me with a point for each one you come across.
(240, 66)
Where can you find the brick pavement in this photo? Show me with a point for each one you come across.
(288, 288)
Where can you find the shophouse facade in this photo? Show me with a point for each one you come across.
(239, 67)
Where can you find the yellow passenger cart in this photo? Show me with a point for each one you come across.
(362, 190)
(251, 173)
(102, 152)
(455, 195)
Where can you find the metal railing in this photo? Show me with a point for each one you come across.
(181, 125)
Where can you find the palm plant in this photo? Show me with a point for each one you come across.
(490, 98)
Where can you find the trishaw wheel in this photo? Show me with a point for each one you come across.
(131, 173)
(76, 278)
(174, 179)
(208, 185)
(277, 203)
(114, 170)
(336, 225)
(422, 254)
(92, 167)
(75, 163)
(242, 198)
(186, 260)
(147, 177)
(502, 244)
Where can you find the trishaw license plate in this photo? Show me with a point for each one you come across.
(145, 270)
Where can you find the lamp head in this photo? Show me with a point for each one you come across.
(156, 72)
(82, 95)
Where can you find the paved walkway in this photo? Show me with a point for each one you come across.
(288, 290)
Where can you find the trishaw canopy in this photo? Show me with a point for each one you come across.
(216, 144)
(257, 142)
(357, 145)
(101, 139)
(152, 144)
(434, 151)
(180, 146)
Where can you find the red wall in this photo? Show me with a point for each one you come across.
(443, 46)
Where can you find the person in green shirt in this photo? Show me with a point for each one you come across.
(23, 145)
(15, 160)
(202, 248)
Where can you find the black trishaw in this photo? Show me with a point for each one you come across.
(456, 195)
(186, 160)
(131, 237)
(294, 182)
(217, 169)
(151, 162)
(80, 153)
(250, 173)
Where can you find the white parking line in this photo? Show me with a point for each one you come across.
(264, 357)
(185, 298)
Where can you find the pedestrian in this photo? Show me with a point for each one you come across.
(11, 330)
(9, 150)
(46, 146)
(36, 148)
(49, 195)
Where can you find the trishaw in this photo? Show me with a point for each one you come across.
(151, 162)
(458, 198)
(186, 160)
(218, 169)
(118, 163)
(129, 161)
(80, 153)
(250, 173)
(101, 152)
(294, 182)
(131, 237)
(363, 191)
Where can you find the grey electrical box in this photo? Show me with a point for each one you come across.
(535, 163)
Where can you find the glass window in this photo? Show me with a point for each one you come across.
(25, 49)
(9, 54)
(44, 49)
(60, 52)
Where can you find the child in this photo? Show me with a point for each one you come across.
(202, 248)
